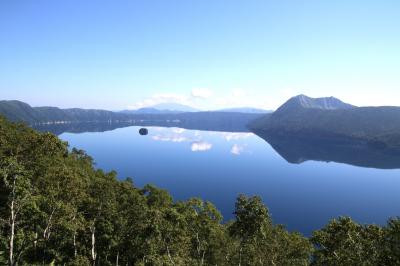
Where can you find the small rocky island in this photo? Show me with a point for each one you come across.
(143, 131)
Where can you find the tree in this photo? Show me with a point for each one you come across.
(207, 234)
(19, 206)
(131, 220)
(166, 238)
(252, 226)
(100, 210)
(391, 243)
(344, 242)
(262, 243)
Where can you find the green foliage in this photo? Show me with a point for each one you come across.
(58, 209)
(262, 243)
(344, 242)
(391, 253)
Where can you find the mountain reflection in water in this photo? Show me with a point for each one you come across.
(298, 149)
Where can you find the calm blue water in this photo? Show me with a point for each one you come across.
(218, 166)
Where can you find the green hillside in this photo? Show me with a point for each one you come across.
(374, 124)
(20, 111)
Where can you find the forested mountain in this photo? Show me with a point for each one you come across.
(331, 118)
(57, 209)
(20, 111)
(303, 101)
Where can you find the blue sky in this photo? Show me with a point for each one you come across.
(208, 53)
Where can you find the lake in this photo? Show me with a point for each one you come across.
(217, 166)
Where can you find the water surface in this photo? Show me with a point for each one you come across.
(217, 166)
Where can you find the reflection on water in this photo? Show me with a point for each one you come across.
(298, 149)
(207, 121)
(78, 127)
(200, 146)
(197, 140)
(217, 166)
(294, 149)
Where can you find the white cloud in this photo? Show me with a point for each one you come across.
(237, 149)
(170, 138)
(207, 99)
(202, 93)
(200, 146)
(235, 136)
(178, 130)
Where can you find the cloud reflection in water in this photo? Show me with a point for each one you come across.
(200, 140)
(200, 146)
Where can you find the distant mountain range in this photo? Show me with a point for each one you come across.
(150, 110)
(247, 110)
(175, 108)
(332, 118)
(163, 108)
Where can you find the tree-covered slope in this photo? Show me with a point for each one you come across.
(329, 117)
(17, 111)
(22, 112)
